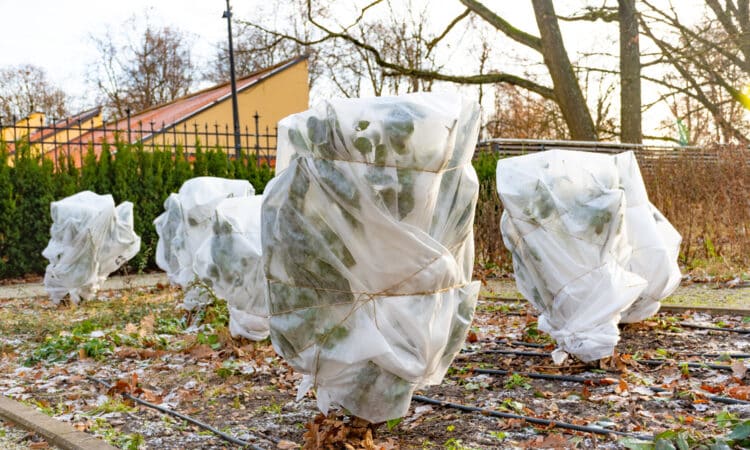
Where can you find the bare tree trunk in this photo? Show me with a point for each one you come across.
(567, 91)
(630, 74)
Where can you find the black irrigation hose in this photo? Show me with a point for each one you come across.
(649, 362)
(694, 365)
(596, 380)
(534, 420)
(503, 299)
(219, 433)
(645, 361)
(727, 330)
(718, 355)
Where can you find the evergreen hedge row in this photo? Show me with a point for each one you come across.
(699, 199)
(28, 185)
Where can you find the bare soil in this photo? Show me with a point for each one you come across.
(137, 341)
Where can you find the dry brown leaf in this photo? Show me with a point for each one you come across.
(712, 389)
(740, 392)
(202, 351)
(739, 369)
(82, 426)
(40, 444)
(554, 441)
(286, 445)
(146, 326)
(151, 396)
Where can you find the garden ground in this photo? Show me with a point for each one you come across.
(666, 376)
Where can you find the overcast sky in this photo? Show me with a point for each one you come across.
(55, 35)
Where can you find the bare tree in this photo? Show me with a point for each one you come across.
(711, 57)
(254, 50)
(25, 89)
(156, 69)
(549, 45)
(522, 114)
(630, 73)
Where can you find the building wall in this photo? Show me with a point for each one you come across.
(279, 95)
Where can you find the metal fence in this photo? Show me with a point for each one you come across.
(73, 138)
(645, 153)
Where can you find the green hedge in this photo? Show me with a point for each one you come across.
(29, 184)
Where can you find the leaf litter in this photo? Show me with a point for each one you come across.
(143, 344)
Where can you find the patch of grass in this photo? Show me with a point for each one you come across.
(455, 444)
(273, 408)
(518, 381)
(113, 405)
(115, 437)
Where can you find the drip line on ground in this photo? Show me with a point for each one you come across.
(597, 381)
(534, 420)
(200, 424)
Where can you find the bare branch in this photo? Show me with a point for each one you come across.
(501, 24)
(456, 20)
(592, 14)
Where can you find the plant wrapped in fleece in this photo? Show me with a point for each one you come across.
(589, 249)
(368, 247)
(229, 263)
(186, 223)
(89, 239)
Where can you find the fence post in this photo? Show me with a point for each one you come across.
(127, 111)
(268, 147)
(104, 138)
(54, 141)
(247, 144)
(15, 140)
(67, 142)
(41, 136)
(80, 142)
(196, 136)
(257, 139)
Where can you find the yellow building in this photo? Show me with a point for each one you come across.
(203, 118)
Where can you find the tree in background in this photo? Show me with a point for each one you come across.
(155, 69)
(709, 64)
(565, 89)
(525, 115)
(25, 89)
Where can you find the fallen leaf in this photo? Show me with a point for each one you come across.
(286, 445)
(712, 389)
(146, 326)
(740, 392)
(202, 351)
(739, 369)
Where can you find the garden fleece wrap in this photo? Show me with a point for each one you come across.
(229, 263)
(368, 247)
(589, 249)
(89, 239)
(186, 223)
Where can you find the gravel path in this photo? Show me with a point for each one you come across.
(27, 290)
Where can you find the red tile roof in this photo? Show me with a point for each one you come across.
(178, 111)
